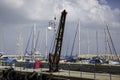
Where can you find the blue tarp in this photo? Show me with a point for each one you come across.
(9, 60)
(29, 65)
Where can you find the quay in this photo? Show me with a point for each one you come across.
(72, 74)
(98, 68)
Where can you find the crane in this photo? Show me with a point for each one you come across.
(55, 58)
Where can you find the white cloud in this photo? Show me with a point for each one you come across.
(39, 9)
(89, 11)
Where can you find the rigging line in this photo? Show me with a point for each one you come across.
(106, 42)
(37, 40)
(41, 38)
(28, 41)
(74, 40)
(109, 47)
(67, 45)
(32, 46)
(52, 44)
(112, 42)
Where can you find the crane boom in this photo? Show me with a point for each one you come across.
(55, 58)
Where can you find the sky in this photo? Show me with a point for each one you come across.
(18, 16)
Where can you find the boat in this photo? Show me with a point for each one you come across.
(34, 54)
(32, 57)
(114, 62)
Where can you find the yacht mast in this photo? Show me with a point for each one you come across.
(20, 45)
(34, 38)
(79, 37)
(97, 42)
(88, 42)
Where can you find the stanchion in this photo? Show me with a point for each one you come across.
(80, 69)
(69, 69)
(94, 71)
(110, 72)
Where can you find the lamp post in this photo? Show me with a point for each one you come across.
(52, 23)
(49, 28)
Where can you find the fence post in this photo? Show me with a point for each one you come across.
(80, 70)
(95, 71)
(69, 69)
(110, 72)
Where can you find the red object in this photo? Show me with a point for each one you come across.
(37, 64)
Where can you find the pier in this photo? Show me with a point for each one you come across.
(67, 71)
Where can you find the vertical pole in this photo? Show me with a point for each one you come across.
(79, 36)
(79, 47)
(97, 42)
(105, 44)
(110, 72)
(34, 41)
(95, 71)
(46, 44)
(21, 46)
(97, 54)
(88, 42)
(69, 69)
(81, 69)
(34, 38)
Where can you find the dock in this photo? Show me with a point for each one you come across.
(68, 74)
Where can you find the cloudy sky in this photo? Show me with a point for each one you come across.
(18, 16)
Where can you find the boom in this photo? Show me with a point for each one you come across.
(55, 58)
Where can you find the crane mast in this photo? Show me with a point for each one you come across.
(55, 58)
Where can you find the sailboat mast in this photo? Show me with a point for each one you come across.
(34, 37)
(74, 40)
(20, 45)
(88, 42)
(111, 42)
(79, 37)
(97, 42)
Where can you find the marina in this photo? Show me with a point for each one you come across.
(33, 66)
(80, 42)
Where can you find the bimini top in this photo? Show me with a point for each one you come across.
(9, 60)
